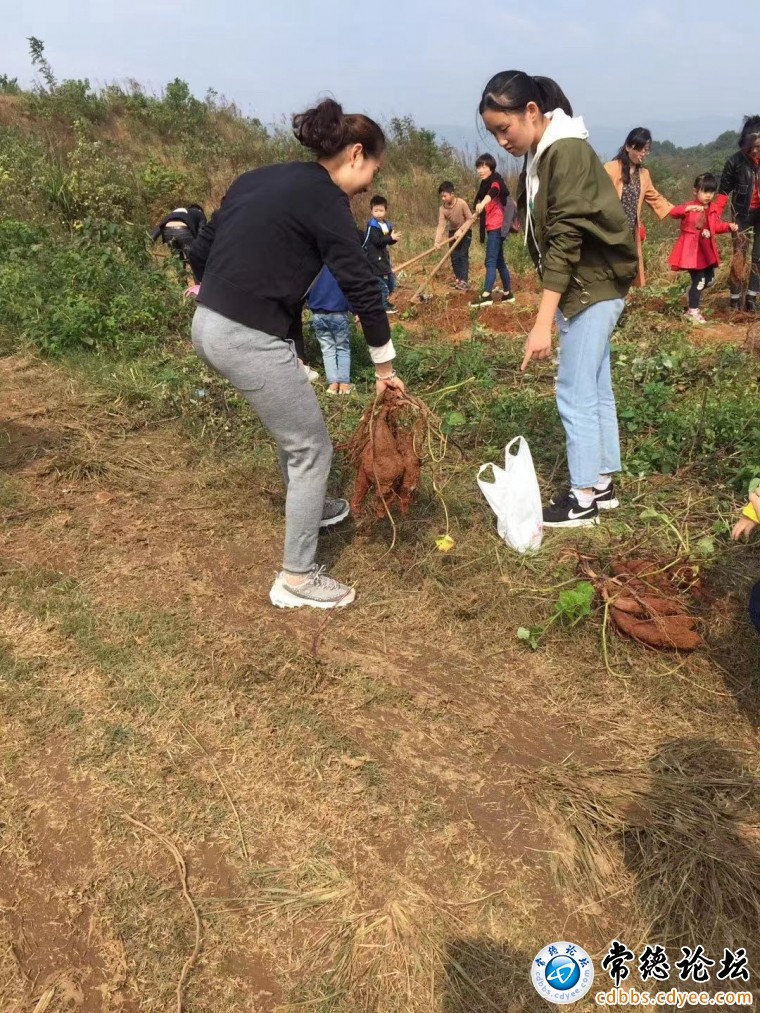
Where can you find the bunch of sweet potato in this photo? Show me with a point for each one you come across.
(386, 452)
(646, 602)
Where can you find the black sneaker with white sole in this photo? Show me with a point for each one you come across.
(484, 299)
(606, 499)
(390, 308)
(566, 512)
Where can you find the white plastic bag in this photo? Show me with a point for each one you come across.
(515, 498)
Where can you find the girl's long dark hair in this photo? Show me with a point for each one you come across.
(510, 91)
(638, 138)
(326, 130)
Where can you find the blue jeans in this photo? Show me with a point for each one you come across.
(585, 399)
(495, 261)
(387, 283)
(332, 331)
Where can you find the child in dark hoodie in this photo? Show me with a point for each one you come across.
(378, 239)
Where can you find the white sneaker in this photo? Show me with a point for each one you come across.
(319, 591)
(311, 373)
(695, 317)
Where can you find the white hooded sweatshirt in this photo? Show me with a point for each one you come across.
(560, 127)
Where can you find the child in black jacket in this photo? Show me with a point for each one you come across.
(378, 239)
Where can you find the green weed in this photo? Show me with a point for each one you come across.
(573, 605)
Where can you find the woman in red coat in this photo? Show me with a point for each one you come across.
(696, 250)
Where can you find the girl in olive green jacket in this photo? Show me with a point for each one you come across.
(580, 241)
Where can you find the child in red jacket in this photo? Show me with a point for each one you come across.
(695, 250)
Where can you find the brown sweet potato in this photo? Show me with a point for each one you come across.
(411, 475)
(649, 602)
(642, 574)
(381, 466)
(739, 271)
(386, 447)
(675, 632)
(646, 605)
(384, 450)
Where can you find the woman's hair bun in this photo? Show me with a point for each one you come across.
(322, 128)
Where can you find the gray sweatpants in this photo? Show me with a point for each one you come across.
(266, 371)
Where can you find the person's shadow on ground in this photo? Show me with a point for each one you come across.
(484, 976)
(737, 652)
(734, 643)
(692, 846)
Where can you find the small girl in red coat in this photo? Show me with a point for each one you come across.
(695, 250)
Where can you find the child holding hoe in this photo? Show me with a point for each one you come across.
(453, 215)
(490, 202)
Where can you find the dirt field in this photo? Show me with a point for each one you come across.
(390, 809)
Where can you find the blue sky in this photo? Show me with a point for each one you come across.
(430, 58)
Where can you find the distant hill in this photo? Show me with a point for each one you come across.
(671, 162)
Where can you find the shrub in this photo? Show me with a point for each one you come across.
(98, 185)
(162, 186)
(9, 85)
(99, 288)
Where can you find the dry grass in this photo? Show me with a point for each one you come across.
(685, 828)
(352, 835)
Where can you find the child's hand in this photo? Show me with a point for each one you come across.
(745, 525)
(396, 235)
(733, 226)
(742, 529)
(705, 233)
(694, 207)
(479, 207)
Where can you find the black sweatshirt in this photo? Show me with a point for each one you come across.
(267, 243)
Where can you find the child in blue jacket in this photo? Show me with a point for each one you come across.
(332, 329)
